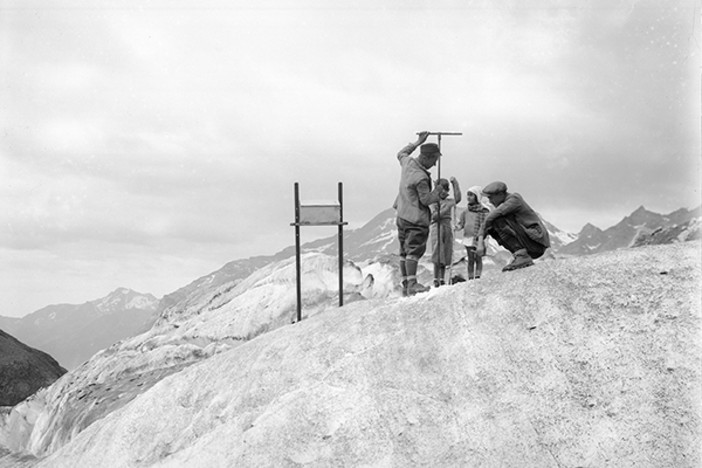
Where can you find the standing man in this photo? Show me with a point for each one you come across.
(514, 225)
(412, 204)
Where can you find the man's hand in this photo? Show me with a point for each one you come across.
(422, 137)
(453, 180)
(480, 248)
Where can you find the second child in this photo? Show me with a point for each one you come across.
(470, 221)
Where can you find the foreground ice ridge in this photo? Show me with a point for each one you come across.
(204, 324)
(591, 361)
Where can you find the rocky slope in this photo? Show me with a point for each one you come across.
(23, 370)
(686, 231)
(589, 361)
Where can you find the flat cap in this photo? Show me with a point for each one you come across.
(495, 188)
(429, 148)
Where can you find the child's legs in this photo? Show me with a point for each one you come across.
(470, 260)
(478, 265)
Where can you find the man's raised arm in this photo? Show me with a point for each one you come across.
(409, 149)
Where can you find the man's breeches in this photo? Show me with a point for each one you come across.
(512, 236)
(413, 239)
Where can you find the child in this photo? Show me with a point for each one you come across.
(470, 222)
(443, 217)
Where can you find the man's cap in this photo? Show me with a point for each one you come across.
(494, 188)
(429, 148)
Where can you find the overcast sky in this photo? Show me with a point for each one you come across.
(147, 143)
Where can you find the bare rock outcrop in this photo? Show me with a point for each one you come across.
(23, 370)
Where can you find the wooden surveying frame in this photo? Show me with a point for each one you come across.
(318, 214)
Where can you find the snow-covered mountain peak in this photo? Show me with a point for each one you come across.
(125, 299)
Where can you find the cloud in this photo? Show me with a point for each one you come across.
(145, 125)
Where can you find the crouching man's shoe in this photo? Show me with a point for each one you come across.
(521, 260)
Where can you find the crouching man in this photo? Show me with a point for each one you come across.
(514, 225)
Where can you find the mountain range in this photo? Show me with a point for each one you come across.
(636, 228)
(376, 241)
(72, 333)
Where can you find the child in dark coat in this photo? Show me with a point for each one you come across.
(442, 219)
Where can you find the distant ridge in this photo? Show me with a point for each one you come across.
(72, 333)
(641, 222)
(377, 240)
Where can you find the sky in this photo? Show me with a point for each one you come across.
(144, 144)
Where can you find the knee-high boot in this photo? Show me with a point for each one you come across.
(413, 287)
(403, 276)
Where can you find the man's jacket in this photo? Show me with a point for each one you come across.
(415, 193)
(516, 208)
